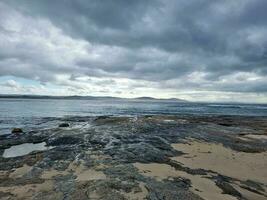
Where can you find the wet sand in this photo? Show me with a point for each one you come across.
(225, 161)
(217, 159)
(201, 185)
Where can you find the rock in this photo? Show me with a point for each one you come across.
(5, 195)
(102, 117)
(63, 141)
(170, 189)
(225, 124)
(17, 131)
(64, 125)
(139, 152)
(227, 188)
(254, 185)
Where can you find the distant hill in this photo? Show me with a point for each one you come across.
(17, 96)
(155, 99)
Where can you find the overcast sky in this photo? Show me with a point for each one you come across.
(201, 50)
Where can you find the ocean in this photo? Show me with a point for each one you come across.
(31, 112)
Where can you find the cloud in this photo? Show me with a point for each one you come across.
(175, 46)
(11, 84)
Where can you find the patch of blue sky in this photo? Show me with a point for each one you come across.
(28, 82)
(22, 81)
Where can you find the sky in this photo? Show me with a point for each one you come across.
(198, 50)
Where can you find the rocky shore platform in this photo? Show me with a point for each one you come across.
(157, 157)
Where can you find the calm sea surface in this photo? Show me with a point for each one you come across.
(30, 112)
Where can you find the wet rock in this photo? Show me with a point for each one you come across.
(227, 188)
(171, 189)
(111, 189)
(181, 182)
(33, 173)
(104, 120)
(66, 185)
(7, 182)
(126, 172)
(225, 124)
(252, 185)
(102, 117)
(63, 125)
(5, 195)
(44, 195)
(30, 159)
(59, 153)
(123, 177)
(248, 148)
(63, 141)
(16, 131)
(251, 189)
(139, 147)
(96, 140)
(5, 136)
(78, 119)
(188, 170)
(141, 152)
(61, 165)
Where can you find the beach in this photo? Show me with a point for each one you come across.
(137, 157)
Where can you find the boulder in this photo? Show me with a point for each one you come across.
(16, 131)
(64, 125)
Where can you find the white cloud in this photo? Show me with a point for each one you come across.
(169, 55)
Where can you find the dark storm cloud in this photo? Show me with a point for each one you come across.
(157, 41)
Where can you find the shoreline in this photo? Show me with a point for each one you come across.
(144, 157)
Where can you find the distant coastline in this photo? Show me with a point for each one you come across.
(21, 96)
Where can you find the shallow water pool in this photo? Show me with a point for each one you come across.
(24, 149)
